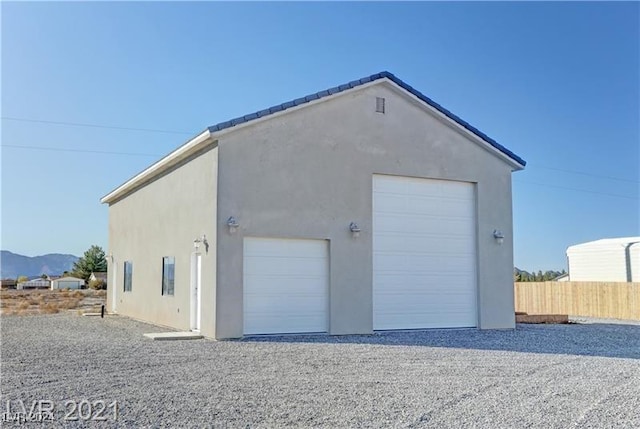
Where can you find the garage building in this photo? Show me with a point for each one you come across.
(363, 207)
(67, 283)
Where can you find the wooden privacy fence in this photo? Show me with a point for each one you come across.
(589, 299)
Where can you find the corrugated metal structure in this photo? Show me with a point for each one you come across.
(37, 283)
(606, 260)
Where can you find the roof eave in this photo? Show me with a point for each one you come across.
(173, 158)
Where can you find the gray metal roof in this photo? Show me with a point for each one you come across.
(356, 83)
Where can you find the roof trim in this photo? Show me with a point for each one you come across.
(616, 241)
(160, 166)
(207, 136)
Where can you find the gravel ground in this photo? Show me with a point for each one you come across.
(547, 376)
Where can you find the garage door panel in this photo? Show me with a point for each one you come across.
(391, 203)
(285, 286)
(426, 282)
(424, 253)
(415, 186)
(294, 305)
(424, 264)
(437, 188)
(433, 300)
(423, 225)
(285, 248)
(398, 243)
(435, 206)
(293, 266)
(272, 324)
(428, 320)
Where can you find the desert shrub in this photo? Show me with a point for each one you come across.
(77, 294)
(49, 308)
(97, 284)
(69, 303)
(23, 305)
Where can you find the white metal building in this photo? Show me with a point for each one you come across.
(37, 283)
(606, 260)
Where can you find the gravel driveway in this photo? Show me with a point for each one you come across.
(554, 376)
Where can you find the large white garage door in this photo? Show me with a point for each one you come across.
(286, 286)
(424, 253)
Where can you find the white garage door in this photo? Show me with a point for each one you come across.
(424, 253)
(69, 284)
(286, 286)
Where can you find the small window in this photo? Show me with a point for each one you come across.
(128, 273)
(168, 274)
(379, 104)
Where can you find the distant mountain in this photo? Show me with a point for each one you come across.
(13, 265)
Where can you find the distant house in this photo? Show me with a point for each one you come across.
(606, 260)
(37, 283)
(561, 278)
(98, 276)
(67, 283)
(8, 284)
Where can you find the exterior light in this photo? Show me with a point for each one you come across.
(203, 240)
(355, 230)
(233, 224)
(498, 235)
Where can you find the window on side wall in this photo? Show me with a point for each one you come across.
(128, 274)
(168, 274)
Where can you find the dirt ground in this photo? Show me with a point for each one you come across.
(30, 302)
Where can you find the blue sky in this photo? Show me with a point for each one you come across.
(557, 83)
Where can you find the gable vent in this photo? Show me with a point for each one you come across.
(379, 104)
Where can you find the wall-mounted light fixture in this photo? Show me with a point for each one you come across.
(355, 230)
(203, 240)
(233, 224)
(498, 235)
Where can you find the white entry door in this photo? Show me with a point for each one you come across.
(114, 286)
(286, 286)
(196, 283)
(424, 253)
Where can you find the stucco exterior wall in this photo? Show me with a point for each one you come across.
(163, 218)
(308, 174)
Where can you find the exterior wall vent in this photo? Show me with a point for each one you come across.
(379, 104)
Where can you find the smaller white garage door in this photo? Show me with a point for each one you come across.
(286, 286)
